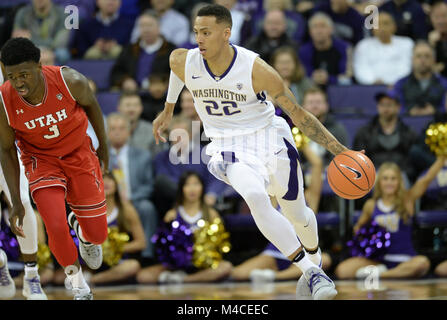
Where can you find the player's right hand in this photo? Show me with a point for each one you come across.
(160, 123)
(17, 215)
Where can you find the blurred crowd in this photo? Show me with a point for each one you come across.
(315, 46)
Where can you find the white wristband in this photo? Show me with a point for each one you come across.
(174, 89)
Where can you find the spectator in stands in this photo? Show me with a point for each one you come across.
(271, 264)
(150, 53)
(438, 37)
(325, 57)
(384, 58)
(191, 42)
(184, 154)
(423, 91)
(132, 167)
(409, 16)
(295, 24)
(86, 8)
(392, 207)
(122, 215)
(141, 135)
(272, 36)
(349, 25)
(47, 57)
(188, 110)
(386, 137)
(104, 35)
(315, 101)
(43, 23)
(189, 208)
(174, 26)
(238, 18)
(155, 97)
(285, 60)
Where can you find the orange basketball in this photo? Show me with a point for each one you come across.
(351, 174)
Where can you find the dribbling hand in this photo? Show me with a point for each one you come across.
(160, 124)
(17, 214)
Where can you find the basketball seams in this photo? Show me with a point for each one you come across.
(336, 165)
(367, 178)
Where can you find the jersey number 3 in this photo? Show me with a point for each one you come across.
(228, 108)
(55, 130)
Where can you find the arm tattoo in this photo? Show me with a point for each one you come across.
(308, 124)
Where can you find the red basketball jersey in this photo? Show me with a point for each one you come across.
(56, 126)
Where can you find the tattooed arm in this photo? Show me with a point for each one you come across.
(266, 78)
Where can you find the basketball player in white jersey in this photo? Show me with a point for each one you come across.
(32, 288)
(229, 85)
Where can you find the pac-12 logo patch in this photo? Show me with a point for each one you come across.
(239, 86)
(59, 96)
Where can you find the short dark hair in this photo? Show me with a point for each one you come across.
(19, 50)
(221, 13)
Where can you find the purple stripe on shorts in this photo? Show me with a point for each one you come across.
(292, 153)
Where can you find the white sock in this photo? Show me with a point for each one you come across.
(77, 280)
(304, 263)
(315, 258)
(31, 272)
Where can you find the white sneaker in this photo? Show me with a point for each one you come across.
(302, 289)
(32, 289)
(171, 277)
(262, 275)
(364, 272)
(91, 253)
(82, 294)
(320, 285)
(7, 285)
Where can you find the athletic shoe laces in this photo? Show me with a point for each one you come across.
(4, 279)
(315, 278)
(34, 285)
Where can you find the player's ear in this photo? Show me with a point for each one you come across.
(227, 33)
(39, 66)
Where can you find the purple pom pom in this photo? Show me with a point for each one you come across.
(371, 241)
(9, 243)
(174, 245)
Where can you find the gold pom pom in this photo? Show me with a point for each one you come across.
(300, 139)
(211, 241)
(43, 255)
(113, 247)
(436, 138)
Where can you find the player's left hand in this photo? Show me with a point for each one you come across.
(17, 214)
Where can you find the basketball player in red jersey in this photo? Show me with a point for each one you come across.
(46, 109)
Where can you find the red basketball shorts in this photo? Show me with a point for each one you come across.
(79, 173)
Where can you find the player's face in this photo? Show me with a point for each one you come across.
(24, 77)
(109, 186)
(389, 182)
(131, 107)
(210, 36)
(192, 189)
(285, 65)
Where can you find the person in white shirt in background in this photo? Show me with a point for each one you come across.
(238, 19)
(174, 26)
(384, 58)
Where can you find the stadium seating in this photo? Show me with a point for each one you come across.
(108, 101)
(97, 70)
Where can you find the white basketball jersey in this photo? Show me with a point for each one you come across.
(227, 104)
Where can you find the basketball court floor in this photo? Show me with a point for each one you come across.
(427, 289)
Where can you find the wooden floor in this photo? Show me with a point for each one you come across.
(431, 289)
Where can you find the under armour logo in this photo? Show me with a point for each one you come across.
(59, 96)
(19, 111)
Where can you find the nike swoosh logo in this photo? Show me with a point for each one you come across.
(277, 152)
(358, 173)
(195, 77)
